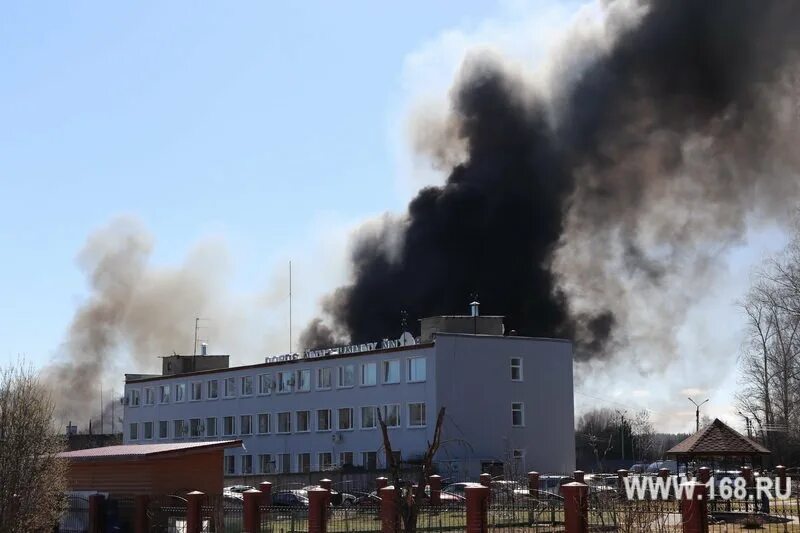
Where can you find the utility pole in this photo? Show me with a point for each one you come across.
(697, 413)
(746, 424)
(622, 432)
(290, 307)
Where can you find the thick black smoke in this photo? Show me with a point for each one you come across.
(644, 166)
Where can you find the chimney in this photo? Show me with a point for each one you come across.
(473, 308)
(204, 349)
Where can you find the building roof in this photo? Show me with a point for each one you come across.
(718, 439)
(142, 378)
(128, 452)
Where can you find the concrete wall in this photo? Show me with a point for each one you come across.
(474, 385)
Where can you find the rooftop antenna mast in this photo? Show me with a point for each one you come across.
(290, 306)
(102, 427)
(197, 328)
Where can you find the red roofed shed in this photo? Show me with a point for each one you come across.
(170, 468)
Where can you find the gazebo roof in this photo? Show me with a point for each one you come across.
(718, 439)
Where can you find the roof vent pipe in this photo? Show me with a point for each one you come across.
(473, 308)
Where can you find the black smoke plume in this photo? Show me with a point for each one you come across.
(605, 205)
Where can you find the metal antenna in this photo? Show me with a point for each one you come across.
(290, 306)
(196, 326)
(102, 427)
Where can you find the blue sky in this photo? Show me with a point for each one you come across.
(245, 120)
(273, 127)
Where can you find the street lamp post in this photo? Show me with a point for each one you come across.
(697, 413)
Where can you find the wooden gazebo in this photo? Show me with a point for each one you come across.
(720, 447)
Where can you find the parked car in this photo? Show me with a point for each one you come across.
(344, 499)
(237, 489)
(290, 498)
(552, 484)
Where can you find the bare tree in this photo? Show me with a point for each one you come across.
(770, 359)
(32, 477)
(411, 496)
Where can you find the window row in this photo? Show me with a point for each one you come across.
(340, 419)
(345, 376)
(284, 463)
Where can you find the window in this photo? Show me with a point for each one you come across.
(211, 427)
(284, 422)
(345, 416)
(324, 460)
(516, 369)
(518, 457)
(230, 464)
(266, 464)
(284, 463)
(303, 381)
(245, 425)
(264, 423)
(369, 374)
(149, 396)
(133, 431)
(265, 383)
(163, 429)
(368, 418)
(517, 414)
(346, 458)
(195, 427)
(230, 387)
(323, 378)
(347, 376)
(285, 382)
(416, 369)
(391, 372)
(228, 425)
(213, 389)
(148, 431)
(197, 390)
(133, 398)
(416, 415)
(247, 464)
(369, 460)
(179, 429)
(163, 394)
(324, 420)
(304, 462)
(247, 389)
(303, 421)
(391, 415)
(180, 392)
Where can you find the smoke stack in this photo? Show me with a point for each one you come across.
(204, 349)
(473, 308)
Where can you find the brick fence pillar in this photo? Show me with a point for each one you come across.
(380, 483)
(252, 511)
(533, 483)
(477, 508)
(266, 493)
(704, 474)
(578, 476)
(318, 510)
(141, 523)
(576, 507)
(194, 514)
(486, 481)
(390, 516)
(435, 482)
(694, 513)
(326, 484)
(96, 505)
(621, 475)
(780, 478)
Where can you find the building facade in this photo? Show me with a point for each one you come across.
(508, 401)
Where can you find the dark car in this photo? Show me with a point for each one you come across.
(290, 498)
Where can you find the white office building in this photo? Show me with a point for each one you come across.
(508, 400)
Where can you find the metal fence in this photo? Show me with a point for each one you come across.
(749, 513)
(75, 518)
(167, 514)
